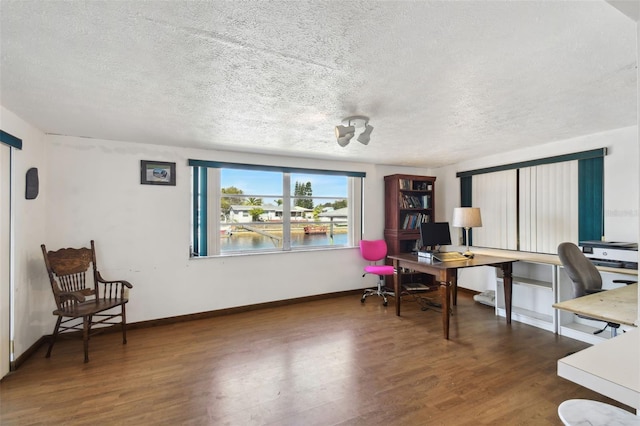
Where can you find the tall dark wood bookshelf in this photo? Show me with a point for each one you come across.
(409, 200)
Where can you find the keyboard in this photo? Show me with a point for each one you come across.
(449, 256)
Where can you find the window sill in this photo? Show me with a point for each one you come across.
(277, 252)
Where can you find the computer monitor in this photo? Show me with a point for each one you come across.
(434, 235)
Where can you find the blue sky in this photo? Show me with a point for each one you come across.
(259, 182)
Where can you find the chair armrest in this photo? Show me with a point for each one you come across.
(627, 282)
(103, 281)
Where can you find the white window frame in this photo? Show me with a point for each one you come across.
(213, 204)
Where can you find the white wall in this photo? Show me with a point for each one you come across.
(33, 301)
(142, 231)
(621, 180)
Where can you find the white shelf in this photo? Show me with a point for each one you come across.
(583, 332)
(529, 317)
(531, 282)
(532, 295)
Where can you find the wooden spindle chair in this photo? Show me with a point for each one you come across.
(81, 293)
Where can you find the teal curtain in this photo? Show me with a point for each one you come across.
(200, 211)
(591, 199)
(10, 140)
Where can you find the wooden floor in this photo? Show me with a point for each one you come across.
(327, 362)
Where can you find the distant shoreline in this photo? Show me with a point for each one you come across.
(297, 228)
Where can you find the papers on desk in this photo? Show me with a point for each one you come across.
(449, 256)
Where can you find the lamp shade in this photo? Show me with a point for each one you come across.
(467, 217)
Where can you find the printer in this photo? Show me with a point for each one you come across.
(612, 254)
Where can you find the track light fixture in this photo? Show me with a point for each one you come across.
(346, 131)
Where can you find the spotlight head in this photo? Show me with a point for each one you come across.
(365, 136)
(344, 134)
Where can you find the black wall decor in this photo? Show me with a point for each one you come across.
(32, 184)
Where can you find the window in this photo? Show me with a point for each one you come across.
(535, 205)
(240, 208)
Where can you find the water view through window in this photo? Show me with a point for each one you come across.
(251, 241)
(253, 209)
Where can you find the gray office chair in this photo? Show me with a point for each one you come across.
(585, 277)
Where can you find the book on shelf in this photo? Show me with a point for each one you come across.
(414, 201)
(406, 222)
(413, 220)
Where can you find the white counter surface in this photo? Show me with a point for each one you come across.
(611, 368)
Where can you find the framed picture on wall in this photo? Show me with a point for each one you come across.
(157, 173)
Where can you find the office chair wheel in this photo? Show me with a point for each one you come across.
(385, 303)
(362, 299)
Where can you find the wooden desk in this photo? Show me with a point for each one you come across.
(446, 274)
(619, 305)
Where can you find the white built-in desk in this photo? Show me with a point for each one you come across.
(619, 305)
(540, 283)
(611, 368)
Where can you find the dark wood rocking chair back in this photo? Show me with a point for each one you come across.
(67, 270)
(80, 292)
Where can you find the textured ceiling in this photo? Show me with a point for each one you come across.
(441, 81)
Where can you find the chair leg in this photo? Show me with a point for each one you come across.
(124, 325)
(379, 291)
(614, 329)
(54, 336)
(86, 327)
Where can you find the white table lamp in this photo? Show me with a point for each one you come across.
(467, 217)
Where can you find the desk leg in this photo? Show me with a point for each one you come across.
(454, 286)
(508, 286)
(397, 279)
(445, 294)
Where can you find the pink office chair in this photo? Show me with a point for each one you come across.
(374, 251)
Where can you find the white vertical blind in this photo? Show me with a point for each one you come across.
(496, 196)
(548, 200)
(548, 206)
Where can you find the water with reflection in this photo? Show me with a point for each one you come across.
(251, 241)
